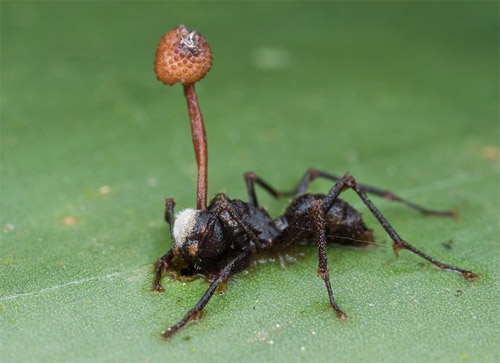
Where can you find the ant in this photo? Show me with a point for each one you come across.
(219, 240)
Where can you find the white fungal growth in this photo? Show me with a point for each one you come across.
(189, 42)
(184, 224)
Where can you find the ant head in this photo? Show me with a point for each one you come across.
(199, 238)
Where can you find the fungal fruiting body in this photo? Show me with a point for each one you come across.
(184, 56)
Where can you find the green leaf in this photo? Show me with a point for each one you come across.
(402, 95)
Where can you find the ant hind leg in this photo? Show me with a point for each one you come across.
(347, 181)
(313, 219)
(319, 221)
(312, 174)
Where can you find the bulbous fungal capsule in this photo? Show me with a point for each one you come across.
(184, 49)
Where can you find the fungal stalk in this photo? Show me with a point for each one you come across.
(183, 56)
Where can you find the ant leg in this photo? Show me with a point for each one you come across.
(162, 262)
(250, 179)
(312, 174)
(302, 222)
(319, 220)
(308, 177)
(160, 267)
(347, 181)
(236, 265)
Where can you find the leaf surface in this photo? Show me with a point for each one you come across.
(402, 95)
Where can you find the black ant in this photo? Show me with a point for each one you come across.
(220, 239)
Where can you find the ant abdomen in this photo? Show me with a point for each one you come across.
(343, 224)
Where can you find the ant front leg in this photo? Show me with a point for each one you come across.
(312, 174)
(236, 265)
(250, 180)
(346, 182)
(160, 267)
(162, 263)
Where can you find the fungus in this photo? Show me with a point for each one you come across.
(184, 56)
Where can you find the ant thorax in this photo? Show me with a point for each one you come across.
(184, 225)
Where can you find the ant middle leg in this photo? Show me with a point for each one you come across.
(348, 182)
(312, 174)
(250, 180)
(237, 264)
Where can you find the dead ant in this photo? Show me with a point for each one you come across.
(220, 239)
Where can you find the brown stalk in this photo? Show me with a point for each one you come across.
(200, 144)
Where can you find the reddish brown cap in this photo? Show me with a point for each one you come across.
(182, 56)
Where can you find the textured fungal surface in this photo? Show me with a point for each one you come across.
(182, 56)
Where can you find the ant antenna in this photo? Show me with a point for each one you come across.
(184, 56)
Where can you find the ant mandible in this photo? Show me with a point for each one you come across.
(220, 239)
